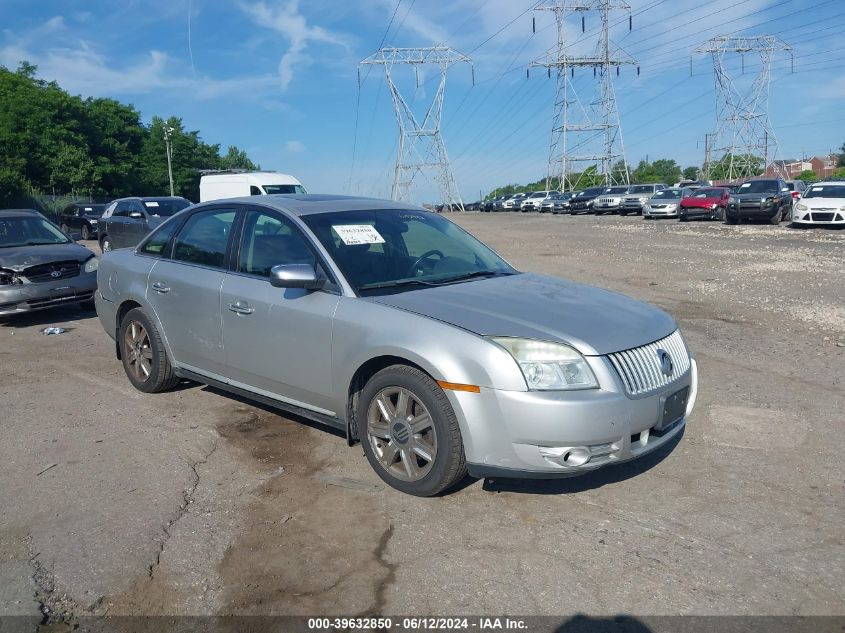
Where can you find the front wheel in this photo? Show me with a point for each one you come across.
(86, 234)
(410, 433)
(142, 352)
(729, 219)
(775, 219)
(105, 244)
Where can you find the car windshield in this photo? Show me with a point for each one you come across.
(758, 186)
(592, 191)
(165, 207)
(29, 231)
(667, 194)
(271, 189)
(617, 190)
(825, 191)
(707, 193)
(390, 250)
(641, 189)
(538, 194)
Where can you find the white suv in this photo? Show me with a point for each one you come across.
(535, 200)
(512, 204)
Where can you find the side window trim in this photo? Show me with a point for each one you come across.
(168, 252)
(319, 260)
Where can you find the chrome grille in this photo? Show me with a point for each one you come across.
(51, 272)
(640, 369)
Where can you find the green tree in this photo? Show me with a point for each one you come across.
(691, 173)
(237, 159)
(664, 170)
(841, 161)
(808, 175)
(721, 169)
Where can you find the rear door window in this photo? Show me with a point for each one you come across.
(204, 238)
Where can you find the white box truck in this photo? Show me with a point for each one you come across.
(219, 185)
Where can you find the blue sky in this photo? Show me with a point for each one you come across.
(279, 78)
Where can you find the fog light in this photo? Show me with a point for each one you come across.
(566, 455)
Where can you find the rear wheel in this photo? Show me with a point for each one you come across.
(142, 352)
(410, 433)
(86, 234)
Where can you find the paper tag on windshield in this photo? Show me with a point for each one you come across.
(151, 203)
(354, 234)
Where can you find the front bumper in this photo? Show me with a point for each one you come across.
(665, 211)
(825, 216)
(28, 297)
(751, 211)
(698, 212)
(505, 431)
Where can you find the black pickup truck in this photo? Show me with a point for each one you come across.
(765, 199)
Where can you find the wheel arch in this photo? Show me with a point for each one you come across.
(359, 379)
(125, 306)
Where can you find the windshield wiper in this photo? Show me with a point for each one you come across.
(471, 275)
(392, 284)
(31, 243)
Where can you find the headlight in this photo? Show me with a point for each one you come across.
(549, 366)
(92, 221)
(713, 206)
(644, 200)
(803, 207)
(671, 207)
(91, 265)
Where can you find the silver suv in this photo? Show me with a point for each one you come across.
(397, 327)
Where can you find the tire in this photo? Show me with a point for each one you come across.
(623, 213)
(729, 220)
(795, 225)
(105, 244)
(86, 234)
(395, 459)
(149, 370)
(65, 229)
(786, 214)
(683, 218)
(775, 219)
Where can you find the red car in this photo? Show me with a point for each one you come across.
(707, 202)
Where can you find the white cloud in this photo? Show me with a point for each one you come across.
(287, 20)
(295, 147)
(84, 71)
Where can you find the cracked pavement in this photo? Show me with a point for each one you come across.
(193, 502)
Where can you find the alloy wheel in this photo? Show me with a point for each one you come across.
(401, 432)
(137, 351)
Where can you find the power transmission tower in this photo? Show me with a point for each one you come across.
(743, 134)
(585, 133)
(421, 146)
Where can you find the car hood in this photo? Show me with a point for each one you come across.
(700, 202)
(592, 320)
(19, 257)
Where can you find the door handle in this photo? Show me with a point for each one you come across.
(160, 288)
(241, 307)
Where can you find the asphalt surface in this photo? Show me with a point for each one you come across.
(192, 502)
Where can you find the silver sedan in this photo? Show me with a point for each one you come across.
(396, 326)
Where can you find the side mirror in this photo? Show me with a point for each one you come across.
(136, 214)
(296, 276)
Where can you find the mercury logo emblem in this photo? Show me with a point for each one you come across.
(401, 432)
(56, 274)
(665, 362)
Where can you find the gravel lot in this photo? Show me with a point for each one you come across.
(191, 502)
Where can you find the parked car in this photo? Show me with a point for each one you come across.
(234, 183)
(397, 327)
(514, 202)
(535, 200)
(556, 201)
(82, 218)
(127, 220)
(664, 203)
(797, 188)
(582, 202)
(821, 203)
(610, 199)
(637, 196)
(489, 204)
(708, 202)
(767, 198)
(40, 266)
(499, 204)
(693, 184)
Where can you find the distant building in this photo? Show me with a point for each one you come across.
(824, 166)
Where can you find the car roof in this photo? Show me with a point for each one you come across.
(308, 204)
(149, 198)
(826, 183)
(18, 213)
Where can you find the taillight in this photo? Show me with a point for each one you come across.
(795, 195)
